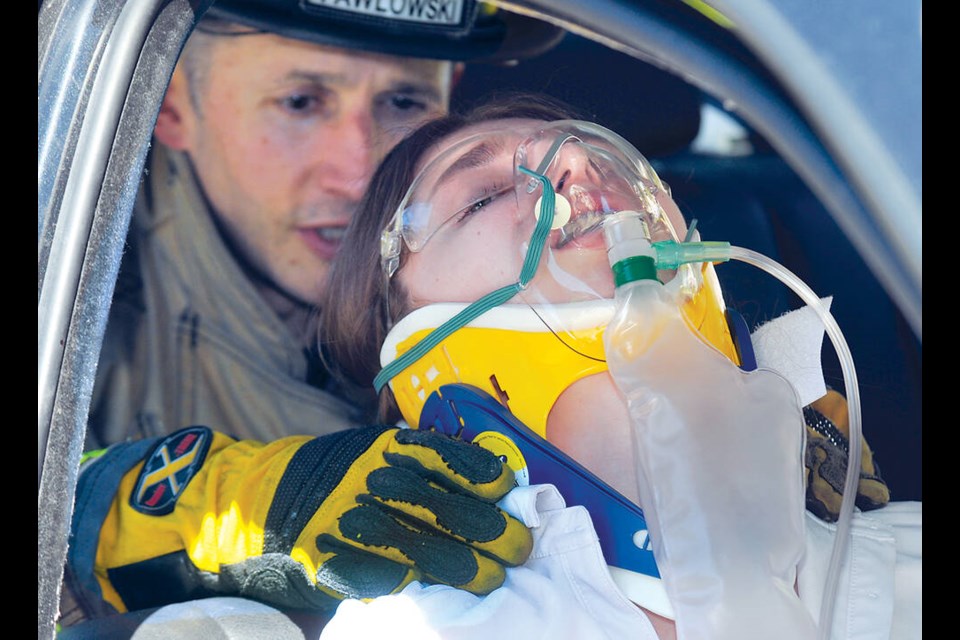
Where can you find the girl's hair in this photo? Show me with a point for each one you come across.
(355, 318)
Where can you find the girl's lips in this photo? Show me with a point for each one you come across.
(582, 232)
(323, 241)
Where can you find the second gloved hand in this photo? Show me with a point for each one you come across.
(362, 513)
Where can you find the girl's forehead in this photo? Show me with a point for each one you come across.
(518, 128)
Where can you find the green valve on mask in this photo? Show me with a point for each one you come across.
(633, 269)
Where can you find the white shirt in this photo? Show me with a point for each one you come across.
(565, 590)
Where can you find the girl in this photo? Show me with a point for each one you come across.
(469, 287)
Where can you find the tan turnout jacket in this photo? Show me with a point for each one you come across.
(190, 341)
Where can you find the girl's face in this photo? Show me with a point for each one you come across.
(469, 218)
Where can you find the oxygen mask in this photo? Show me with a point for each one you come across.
(496, 186)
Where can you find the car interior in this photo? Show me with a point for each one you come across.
(723, 172)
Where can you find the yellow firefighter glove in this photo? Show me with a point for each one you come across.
(827, 453)
(303, 523)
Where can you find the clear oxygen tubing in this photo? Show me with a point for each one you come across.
(672, 254)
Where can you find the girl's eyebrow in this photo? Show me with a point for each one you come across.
(482, 154)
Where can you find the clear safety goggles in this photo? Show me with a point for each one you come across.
(594, 172)
(542, 193)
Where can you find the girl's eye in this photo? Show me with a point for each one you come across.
(481, 203)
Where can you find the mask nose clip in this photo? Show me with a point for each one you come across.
(561, 208)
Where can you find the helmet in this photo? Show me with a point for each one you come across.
(459, 30)
(540, 327)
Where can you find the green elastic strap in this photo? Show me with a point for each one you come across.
(487, 302)
(90, 455)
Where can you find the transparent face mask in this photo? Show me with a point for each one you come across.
(518, 215)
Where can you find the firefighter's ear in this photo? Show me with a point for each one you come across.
(177, 118)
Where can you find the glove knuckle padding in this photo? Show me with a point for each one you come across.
(441, 559)
(462, 515)
(452, 462)
(466, 518)
(475, 478)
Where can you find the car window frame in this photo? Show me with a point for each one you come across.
(103, 67)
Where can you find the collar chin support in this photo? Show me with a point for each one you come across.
(458, 30)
